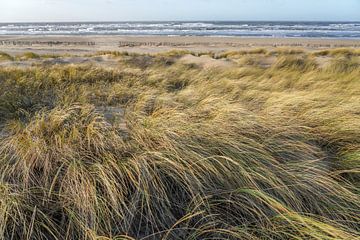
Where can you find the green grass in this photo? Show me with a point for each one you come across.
(159, 149)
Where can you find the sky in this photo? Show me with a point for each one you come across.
(185, 10)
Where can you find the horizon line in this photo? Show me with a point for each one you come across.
(144, 21)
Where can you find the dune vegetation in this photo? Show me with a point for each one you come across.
(265, 146)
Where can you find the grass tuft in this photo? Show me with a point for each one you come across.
(29, 55)
(5, 57)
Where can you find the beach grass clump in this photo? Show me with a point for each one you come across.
(238, 54)
(5, 57)
(114, 53)
(257, 51)
(46, 56)
(286, 51)
(146, 61)
(29, 55)
(343, 65)
(296, 63)
(322, 53)
(174, 53)
(206, 53)
(345, 52)
(155, 148)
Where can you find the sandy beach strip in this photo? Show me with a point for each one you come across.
(86, 44)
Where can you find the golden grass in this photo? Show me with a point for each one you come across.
(234, 54)
(338, 52)
(287, 51)
(29, 55)
(159, 149)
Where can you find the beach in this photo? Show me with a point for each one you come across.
(88, 44)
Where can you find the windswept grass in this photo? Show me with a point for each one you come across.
(234, 54)
(287, 51)
(159, 149)
(5, 57)
(299, 64)
(338, 52)
(29, 55)
(344, 65)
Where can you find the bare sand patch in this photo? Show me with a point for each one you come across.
(206, 61)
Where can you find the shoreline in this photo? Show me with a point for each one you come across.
(85, 44)
(170, 35)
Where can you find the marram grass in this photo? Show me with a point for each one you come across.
(160, 149)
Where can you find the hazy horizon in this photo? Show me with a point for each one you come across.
(159, 21)
(186, 10)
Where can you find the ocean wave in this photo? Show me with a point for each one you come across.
(260, 29)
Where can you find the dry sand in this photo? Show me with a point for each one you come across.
(80, 45)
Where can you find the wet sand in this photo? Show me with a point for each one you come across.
(80, 45)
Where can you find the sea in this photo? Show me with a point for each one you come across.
(337, 30)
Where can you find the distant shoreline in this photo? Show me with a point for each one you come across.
(172, 36)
